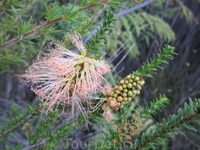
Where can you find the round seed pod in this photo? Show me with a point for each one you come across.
(126, 82)
(138, 82)
(125, 99)
(133, 76)
(117, 91)
(116, 87)
(134, 84)
(134, 92)
(110, 98)
(138, 92)
(110, 93)
(141, 82)
(125, 91)
(124, 86)
(115, 95)
(128, 77)
(129, 86)
(138, 87)
(136, 79)
(113, 103)
(130, 81)
(120, 88)
(121, 82)
(118, 104)
(119, 98)
(130, 93)
(124, 94)
(129, 99)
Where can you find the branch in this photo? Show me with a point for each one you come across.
(182, 121)
(5, 4)
(36, 145)
(17, 125)
(11, 42)
(135, 8)
(121, 14)
(150, 67)
(91, 5)
(19, 121)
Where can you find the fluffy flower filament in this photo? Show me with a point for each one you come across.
(62, 76)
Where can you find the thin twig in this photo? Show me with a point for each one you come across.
(36, 145)
(11, 42)
(91, 5)
(6, 4)
(119, 15)
(189, 118)
(123, 57)
(17, 125)
(135, 8)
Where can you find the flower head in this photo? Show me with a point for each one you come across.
(62, 76)
(108, 115)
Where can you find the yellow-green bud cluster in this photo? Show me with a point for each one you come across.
(123, 93)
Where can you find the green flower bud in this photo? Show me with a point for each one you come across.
(138, 92)
(133, 76)
(124, 86)
(129, 85)
(126, 82)
(128, 77)
(120, 88)
(110, 94)
(125, 91)
(117, 91)
(130, 81)
(134, 84)
(113, 103)
(137, 79)
(129, 99)
(124, 94)
(110, 98)
(121, 82)
(135, 92)
(119, 98)
(125, 99)
(130, 93)
(142, 82)
(116, 87)
(115, 95)
(138, 87)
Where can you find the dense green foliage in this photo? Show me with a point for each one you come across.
(27, 28)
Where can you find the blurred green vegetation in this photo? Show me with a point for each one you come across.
(174, 22)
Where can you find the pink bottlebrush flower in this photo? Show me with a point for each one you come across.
(108, 115)
(107, 89)
(62, 76)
